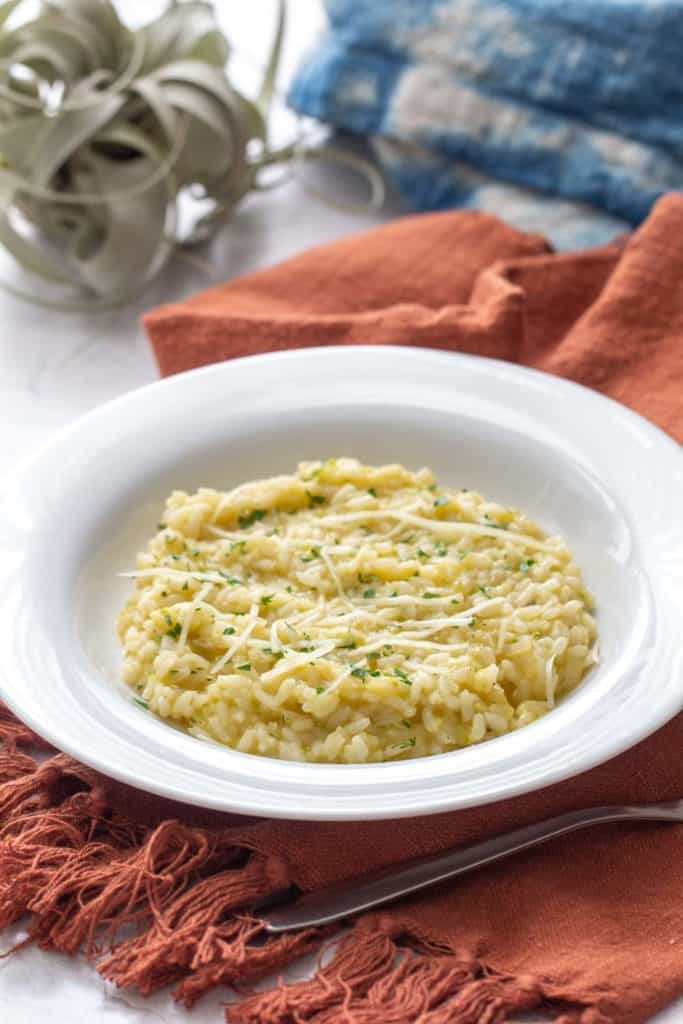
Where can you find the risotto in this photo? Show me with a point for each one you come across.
(352, 613)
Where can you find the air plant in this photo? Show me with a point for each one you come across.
(103, 128)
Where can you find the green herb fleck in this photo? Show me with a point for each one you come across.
(387, 649)
(526, 564)
(372, 491)
(249, 518)
(369, 593)
(245, 668)
(473, 621)
(485, 591)
(402, 676)
(441, 549)
(174, 631)
(443, 499)
(422, 554)
(429, 594)
(161, 526)
(320, 689)
(359, 673)
(432, 487)
(406, 724)
(407, 744)
(274, 654)
(186, 585)
(141, 703)
(315, 499)
(228, 631)
(290, 590)
(310, 647)
(234, 581)
(365, 577)
(315, 553)
(267, 598)
(375, 672)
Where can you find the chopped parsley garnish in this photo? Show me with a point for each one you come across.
(238, 545)
(526, 564)
(365, 577)
(141, 703)
(161, 526)
(267, 598)
(372, 491)
(164, 593)
(320, 689)
(464, 555)
(432, 487)
(234, 581)
(174, 631)
(443, 499)
(422, 554)
(407, 744)
(375, 672)
(274, 654)
(315, 499)
(186, 585)
(369, 593)
(441, 549)
(456, 600)
(430, 594)
(387, 649)
(315, 553)
(310, 647)
(290, 590)
(359, 673)
(402, 676)
(485, 591)
(406, 724)
(228, 631)
(245, 668)
(473, 621)
(249, 518)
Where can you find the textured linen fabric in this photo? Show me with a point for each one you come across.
(563, 116)
(587, 929)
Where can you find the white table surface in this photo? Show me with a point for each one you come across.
(54, 367)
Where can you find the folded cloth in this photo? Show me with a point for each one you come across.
(531, 108)
(588, 929)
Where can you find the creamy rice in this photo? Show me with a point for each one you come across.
(352, 613)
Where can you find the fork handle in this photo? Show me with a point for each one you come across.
(355, 895)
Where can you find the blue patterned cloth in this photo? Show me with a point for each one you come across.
(564, 116)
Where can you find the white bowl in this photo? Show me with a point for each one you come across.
(578, 463)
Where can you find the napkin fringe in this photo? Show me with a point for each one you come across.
(183, 898)
(376, 976)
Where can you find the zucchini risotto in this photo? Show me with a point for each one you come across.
(352, 613)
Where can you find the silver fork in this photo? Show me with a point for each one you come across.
(355, 895)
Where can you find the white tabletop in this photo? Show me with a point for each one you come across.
(54, 367)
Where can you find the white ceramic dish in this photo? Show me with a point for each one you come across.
(578, 463)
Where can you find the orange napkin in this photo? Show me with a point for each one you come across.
(588, 929)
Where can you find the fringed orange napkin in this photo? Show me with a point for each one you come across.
(588, 929)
